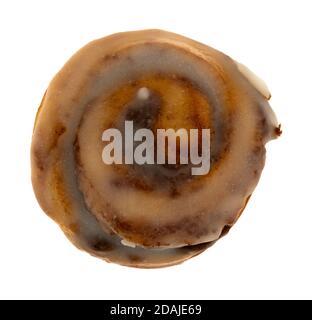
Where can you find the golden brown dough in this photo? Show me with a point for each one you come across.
(148, 215)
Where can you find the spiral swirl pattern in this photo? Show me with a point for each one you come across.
(148, 215)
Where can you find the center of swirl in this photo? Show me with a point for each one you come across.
(171, 120)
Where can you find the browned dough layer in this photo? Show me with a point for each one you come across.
(168, 214)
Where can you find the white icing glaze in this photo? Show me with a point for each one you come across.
(128, 243)
(257, 82)
(143, 93)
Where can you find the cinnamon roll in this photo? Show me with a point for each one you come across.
(145, 213)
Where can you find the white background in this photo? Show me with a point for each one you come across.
(268, 254)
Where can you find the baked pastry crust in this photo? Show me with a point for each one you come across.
(137, 216)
